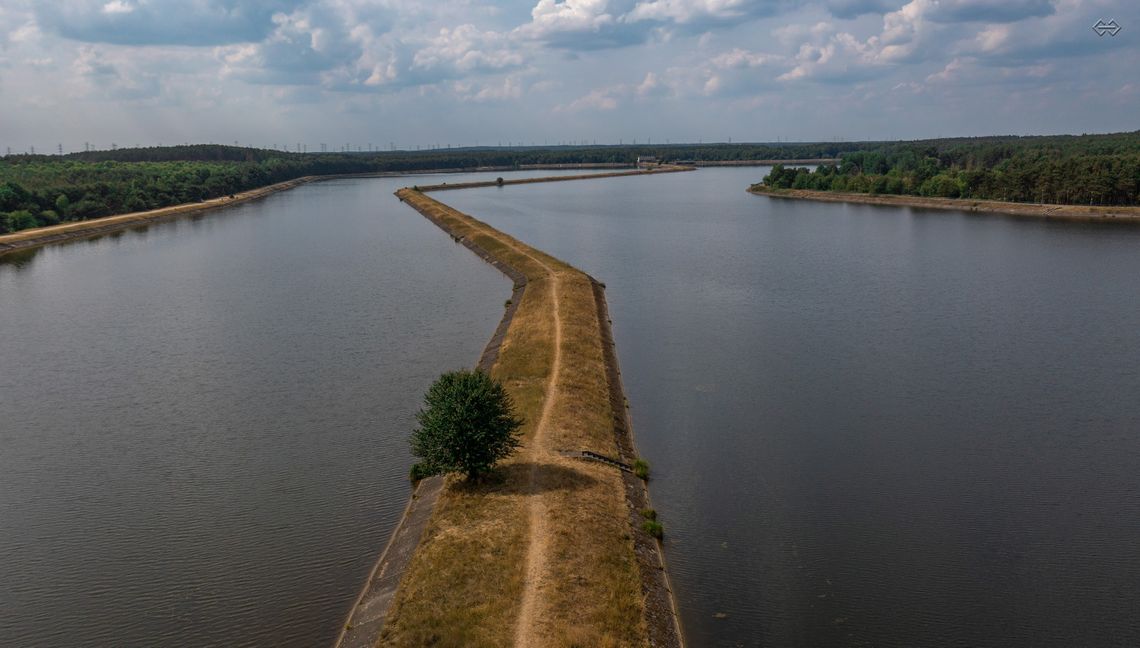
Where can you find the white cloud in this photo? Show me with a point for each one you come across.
(508, 88)
(118, 7)
(466, 49)
(598, 99)
(651, 86)
(842, 56)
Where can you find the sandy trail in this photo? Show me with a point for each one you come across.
(536, 565)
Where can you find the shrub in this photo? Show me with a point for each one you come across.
(649, 514)
(641, 468)
(653, 528)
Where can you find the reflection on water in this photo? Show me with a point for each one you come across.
(19, 259)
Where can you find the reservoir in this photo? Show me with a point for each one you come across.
(868, 426)
(203, 423)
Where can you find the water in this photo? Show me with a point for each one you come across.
(869, 426)
(203, 423)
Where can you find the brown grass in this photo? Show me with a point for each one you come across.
(468, 580)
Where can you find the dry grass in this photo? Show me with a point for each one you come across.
(466, 583)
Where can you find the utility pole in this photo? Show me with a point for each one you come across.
(59, 147)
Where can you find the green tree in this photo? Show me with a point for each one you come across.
(21, 219)
(467, 425)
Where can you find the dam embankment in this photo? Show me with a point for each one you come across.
(550, 551)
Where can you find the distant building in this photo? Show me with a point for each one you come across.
(646, 160)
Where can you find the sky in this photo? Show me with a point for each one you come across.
(396, 73)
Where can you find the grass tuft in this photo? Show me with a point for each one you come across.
(653, 528)
(641, 469)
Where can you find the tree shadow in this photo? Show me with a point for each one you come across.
(515, 479)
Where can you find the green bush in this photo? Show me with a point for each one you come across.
(419, 471)
(653, 528)
(641, 468)
(649, 514)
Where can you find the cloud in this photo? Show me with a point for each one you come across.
(602, 24)
(465, 50)
(652, 86)
(834, 56)
(332, 43)
(598, 99)
(704, 13)
(162, 22)
(106, 78)
(580, 25)
(508, 88)
(847, 9)
(990, 11)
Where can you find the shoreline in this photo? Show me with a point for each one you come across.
(545, 599)
(1072, 213)
(40, 236)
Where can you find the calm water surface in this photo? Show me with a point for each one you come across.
(203, 423)
(869, 426)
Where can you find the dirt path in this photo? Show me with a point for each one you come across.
(565, 561)
(537, 550)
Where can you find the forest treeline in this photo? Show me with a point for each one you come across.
(1074, 170)
(38, 190)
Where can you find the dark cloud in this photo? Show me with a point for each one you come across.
(990, 11)
(847, 9)
(162, 22)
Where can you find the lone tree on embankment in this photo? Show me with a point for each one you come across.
(467, 425)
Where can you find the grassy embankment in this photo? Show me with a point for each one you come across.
(1106, 214)
(543, 552)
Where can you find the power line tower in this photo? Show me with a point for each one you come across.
(59, 148)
